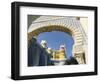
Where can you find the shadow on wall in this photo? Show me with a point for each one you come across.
(37, 55)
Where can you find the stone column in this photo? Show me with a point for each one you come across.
(79, 53)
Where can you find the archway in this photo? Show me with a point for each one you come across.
(56, 39)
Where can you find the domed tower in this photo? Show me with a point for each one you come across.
(62, 51)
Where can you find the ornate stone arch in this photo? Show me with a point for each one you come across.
(70, 26)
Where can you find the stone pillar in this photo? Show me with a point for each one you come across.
(79, 53)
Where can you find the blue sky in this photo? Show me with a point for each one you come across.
(55, 39)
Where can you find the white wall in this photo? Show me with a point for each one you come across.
(5, 40)
(84, 23)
